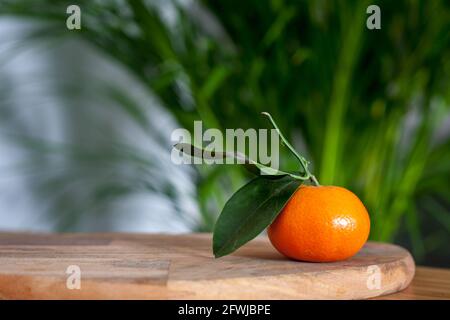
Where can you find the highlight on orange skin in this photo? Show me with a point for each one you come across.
(321, 224)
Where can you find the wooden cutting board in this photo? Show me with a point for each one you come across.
(154, 266)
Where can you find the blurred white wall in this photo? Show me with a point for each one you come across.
(32, 105)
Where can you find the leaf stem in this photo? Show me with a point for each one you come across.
(303, 162)
(315, 181)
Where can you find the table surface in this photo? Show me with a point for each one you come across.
(428, 283)
(177, 263)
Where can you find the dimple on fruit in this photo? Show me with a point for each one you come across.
(321, 224)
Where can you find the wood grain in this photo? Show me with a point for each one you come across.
(138, 266)
(428, 283)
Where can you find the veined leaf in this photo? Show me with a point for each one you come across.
(249, 211)
(249, 164)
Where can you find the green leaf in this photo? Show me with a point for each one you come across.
(249, 211)
(214, 81)
(249, 164)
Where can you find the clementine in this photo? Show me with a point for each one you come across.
(321, 224)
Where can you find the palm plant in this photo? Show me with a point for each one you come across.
(366, 106)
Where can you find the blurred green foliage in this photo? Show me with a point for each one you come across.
(365, 106)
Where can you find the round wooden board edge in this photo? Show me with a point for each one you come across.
(395, 277)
